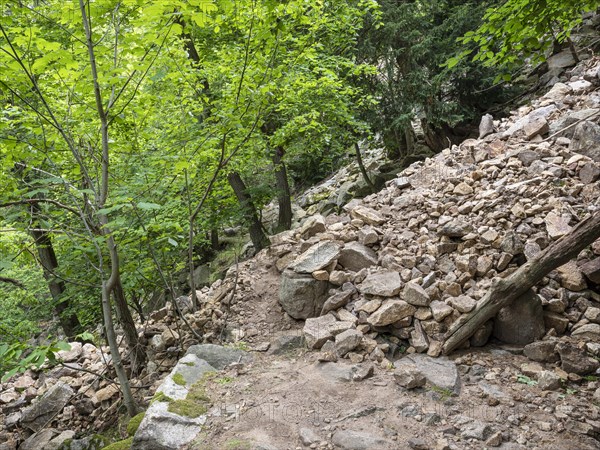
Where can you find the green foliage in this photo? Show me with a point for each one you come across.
(17, 358)
(526, 380)
(410, 41)
(518, 31)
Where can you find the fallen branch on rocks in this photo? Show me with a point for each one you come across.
(562, 130)
(504, 291)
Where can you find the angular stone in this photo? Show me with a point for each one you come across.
(44, 408)
(440, 310)
(347, 341)
(462, 188)
(463, 303)
(313, 225)
(336, 301)
(415, 295)
(541, 351)
(355, 256)
(317, 257)
(571, 277)
(301, 296)
(591, 270)
(486, 126)
(162, 429)
(521, 322)
(556, 321)
(218, 356)
(592, 314)
(107, 393)
(72, 354)
(557, 226)
(367, 215)
(391, 311)
(548, 381)
(383, 284)
(455, 229)
(586, 140)
(590, 331)
(482, 335)
(440, 372)
(418, 339)
(589, 173)
(512, 244)
(317, 330)
(409, 377)
(39, 440)
(575, 360)
(537, 126)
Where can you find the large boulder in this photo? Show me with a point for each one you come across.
(301, 296)
(43, 409)
(218, 356)
(522, 322)
(586, 140)
(440, 372)
(177, 414)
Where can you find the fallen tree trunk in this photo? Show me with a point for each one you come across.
(505, 290)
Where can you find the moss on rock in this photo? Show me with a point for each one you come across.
(178, 379)
(120, 445)
(134, 423)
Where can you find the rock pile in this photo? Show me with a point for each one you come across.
(395, 270)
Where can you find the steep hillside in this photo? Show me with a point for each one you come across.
(346, 314)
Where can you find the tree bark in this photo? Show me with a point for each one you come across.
(214, 239)
(284, 200)
(361, 166)
(137, 352)
(257, 235)
(504, 291)
(68, 320)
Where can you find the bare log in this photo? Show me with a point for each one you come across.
(505, 290)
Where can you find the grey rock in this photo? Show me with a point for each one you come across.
(72, 354)
(589, 173)
(336, 301)
(39, 440)
(482, 335)
(367, 215)
(535, 127)
(359, 440)
(590, 332)
(313, 225)
(317, 257)
(575, 360)
(342, 372)
(301, 296)
(415, 295)
(586, 140)
(418, 339)
(356, 256)
(512, 244)
(440, 372)
(548, 381)
(561, 60)
(486, 126)
(391, 311)
(476, 430)
(541, 351)
(591, 270)
(455, 229)
(409, 377)
(218, 356)
(319, 330)
(561, 125)
(286, 343)
(347, 341)
(463, 303)
(164, 430)
(43, 409)
(440, 310)
(557, 226)
(521, 322)
(384, 284)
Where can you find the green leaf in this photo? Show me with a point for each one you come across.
(148, 206)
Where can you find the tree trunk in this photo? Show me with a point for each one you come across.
(68, 320)
(214, 239)
(504, 291)
(136, 350)
(361, 166)
(257, 235)
(284, 200)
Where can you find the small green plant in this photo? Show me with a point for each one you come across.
(224, 380)
(524, 379)
(590, 378)
(179, 379)
(445, 393)
(241, 345)
(571, 391)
